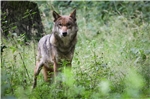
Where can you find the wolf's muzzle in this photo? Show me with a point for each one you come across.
(64, 34)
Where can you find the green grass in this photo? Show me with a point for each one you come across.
(111, 61)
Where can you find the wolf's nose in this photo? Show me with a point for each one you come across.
(64, 34)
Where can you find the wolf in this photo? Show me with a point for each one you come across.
(56, 47)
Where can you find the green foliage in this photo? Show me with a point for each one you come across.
(111, 58)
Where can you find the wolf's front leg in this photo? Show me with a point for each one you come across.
(37, 70)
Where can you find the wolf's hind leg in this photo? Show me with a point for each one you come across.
(36, 72)
(47, 73)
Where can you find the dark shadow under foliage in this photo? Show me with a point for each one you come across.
(21, 17)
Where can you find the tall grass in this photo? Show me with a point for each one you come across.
(111, 61)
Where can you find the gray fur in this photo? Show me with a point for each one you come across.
(55, 48)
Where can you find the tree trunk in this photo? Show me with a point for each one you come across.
(21, 17)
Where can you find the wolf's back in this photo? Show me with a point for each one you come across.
(44, 47)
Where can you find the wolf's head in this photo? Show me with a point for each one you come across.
(65, 27)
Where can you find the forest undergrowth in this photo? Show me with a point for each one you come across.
(111, 59)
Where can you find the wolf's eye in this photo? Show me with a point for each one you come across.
(68, 24)
(60, 24)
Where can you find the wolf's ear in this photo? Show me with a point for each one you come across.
(73, 15)
(55, 15)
